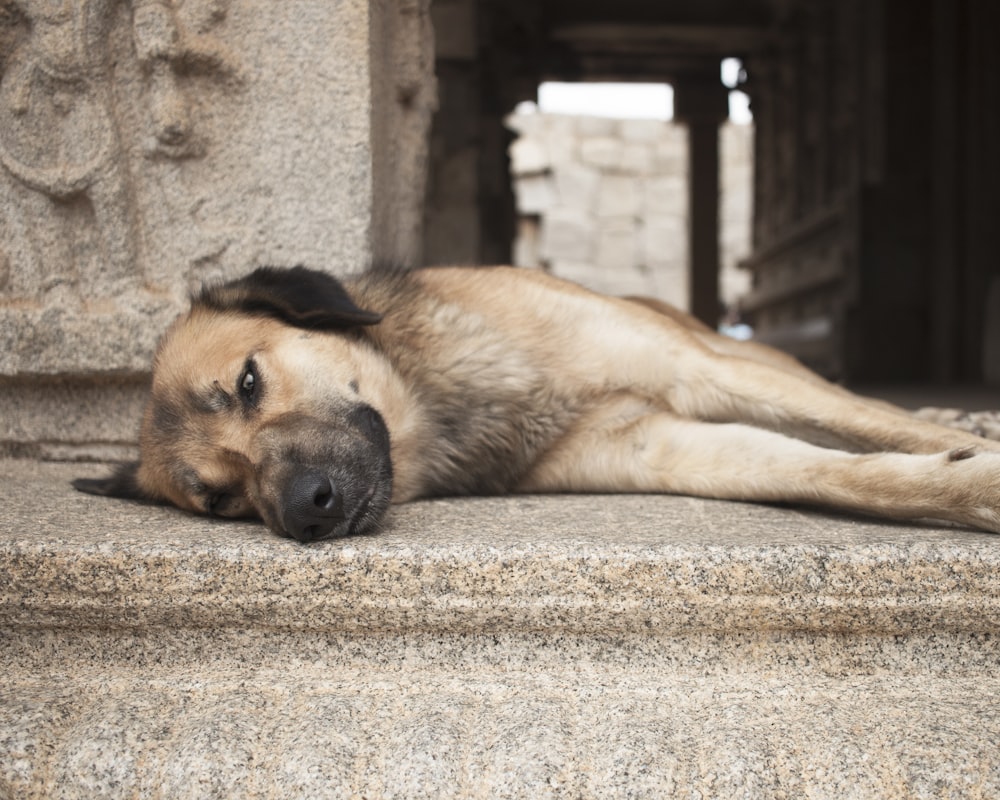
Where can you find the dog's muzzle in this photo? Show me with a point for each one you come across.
(324, 477)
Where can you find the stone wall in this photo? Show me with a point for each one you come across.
(148, 147)
(604, 202)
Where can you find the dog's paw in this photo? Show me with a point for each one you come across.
(976, 484)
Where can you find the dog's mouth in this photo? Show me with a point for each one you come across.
(361, 521)
(366, 516)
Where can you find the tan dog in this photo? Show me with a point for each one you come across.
(313, 403)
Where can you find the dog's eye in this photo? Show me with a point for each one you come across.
(248, 383)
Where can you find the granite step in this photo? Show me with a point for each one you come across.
(563, 646)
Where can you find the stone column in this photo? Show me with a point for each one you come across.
(701, 102)
(148, 146)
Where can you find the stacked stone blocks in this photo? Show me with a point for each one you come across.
(605, 202)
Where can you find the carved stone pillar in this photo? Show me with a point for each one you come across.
(147, 146)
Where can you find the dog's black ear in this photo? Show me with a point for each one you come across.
(299, 296)
(122, 483)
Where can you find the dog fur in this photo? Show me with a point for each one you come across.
(314, 403)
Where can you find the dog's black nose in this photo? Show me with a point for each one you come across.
(313, 506)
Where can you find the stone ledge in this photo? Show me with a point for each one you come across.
(580, 563)
(517, 647)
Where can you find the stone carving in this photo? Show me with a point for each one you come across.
(148, 146)
(61, 129)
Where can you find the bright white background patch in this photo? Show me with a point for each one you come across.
(632, 100)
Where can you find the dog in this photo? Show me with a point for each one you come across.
(314, 403)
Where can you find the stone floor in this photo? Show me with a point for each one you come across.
(563, 646)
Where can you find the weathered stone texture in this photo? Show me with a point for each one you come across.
(618, 197)
(535, 194)
(62, 418)
(529, 647)
(577, 185)
(604, 202)
(246, 136)
(566, 235)
(147, 147)
(603, 152)
(736, 145)
(667, 195)
(528, 156)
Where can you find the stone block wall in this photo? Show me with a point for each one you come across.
(604, 202)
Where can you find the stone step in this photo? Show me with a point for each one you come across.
(564, 646)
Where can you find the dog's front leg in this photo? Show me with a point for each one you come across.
(659, 452)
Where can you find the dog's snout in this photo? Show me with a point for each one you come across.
(313, 506)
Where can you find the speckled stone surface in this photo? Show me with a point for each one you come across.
(533, 647)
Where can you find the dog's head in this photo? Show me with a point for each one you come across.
(261, 405)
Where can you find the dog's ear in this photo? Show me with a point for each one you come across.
(123, 482)
(301, 297)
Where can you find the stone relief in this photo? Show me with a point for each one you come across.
(148, 146)
(67, 208)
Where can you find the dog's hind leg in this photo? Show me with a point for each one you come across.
(659, 452)
(702, 375)
(696, 379)
(725, 389)
(621, 345)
